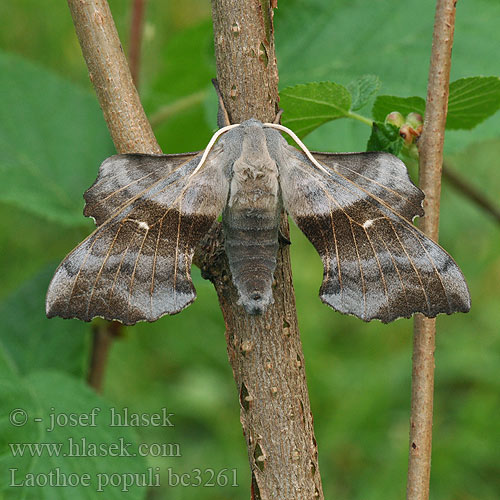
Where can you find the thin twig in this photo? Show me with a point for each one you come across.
(167, 111)
(124, 115)
(473, 194)
(135, 42)
(430, 159)
(103, 334)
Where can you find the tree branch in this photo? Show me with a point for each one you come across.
(136, 29)
(110, 75)
(124, 115)
(265, 352)
(430, 159)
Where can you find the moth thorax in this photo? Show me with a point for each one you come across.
(254, 185)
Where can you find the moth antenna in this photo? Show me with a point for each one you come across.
(222, 114)
(299, 143)
(210, 145)
(278, 116)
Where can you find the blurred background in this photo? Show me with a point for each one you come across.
(52, 141)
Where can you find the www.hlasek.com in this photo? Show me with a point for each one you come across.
(101, 481)
(82, 447)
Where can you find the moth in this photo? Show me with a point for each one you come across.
(153, 210)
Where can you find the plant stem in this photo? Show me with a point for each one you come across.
(136, 30)
(102, 338)
(165, 112)
(265, 351)
(469, 191)
(122, 109)
(360, 118)
(430, 161)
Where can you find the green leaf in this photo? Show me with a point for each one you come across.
(310, 105)
(34, 342)
(472, 100)
(385, 137)
(40, 395)
(395, 45)
(50, 147)
(385, 104)
(362, 90)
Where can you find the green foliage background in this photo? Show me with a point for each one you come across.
(52, 140)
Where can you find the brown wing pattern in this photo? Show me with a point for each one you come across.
(137, 265)
(123, 177)
(382, 175)
(377, 265)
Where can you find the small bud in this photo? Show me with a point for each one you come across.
(408, 134)
(395, 118)
(415, 121)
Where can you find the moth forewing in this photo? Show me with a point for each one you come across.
(137, 265)
(123, 178)
(377, 265)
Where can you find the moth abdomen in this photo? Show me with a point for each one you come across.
(251, 244)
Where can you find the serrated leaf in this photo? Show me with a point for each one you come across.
(385, 137)
(36, 343)
(472, 100)
(308, 106)
(67, 447)
(50, 147)
(385, 104)
(362, 90)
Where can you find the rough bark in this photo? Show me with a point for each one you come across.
(265, 352)
(431, 160)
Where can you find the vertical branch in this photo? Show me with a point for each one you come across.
(431, 159)
(103, 335)
(136, 29)
(124, 115)
(265, 352)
